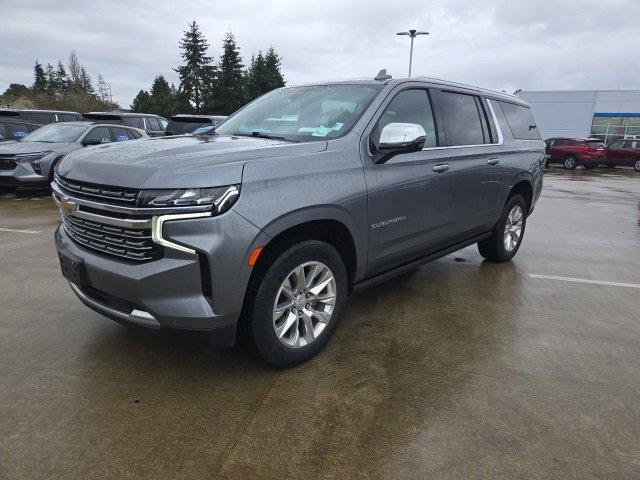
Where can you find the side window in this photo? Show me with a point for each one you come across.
(133, 122)
(616, 144)
(38, 117)
(461, 119)
(3, 132)
(66, 117)
(521, 121)
(100, 133)
(133, 134)
(409, 106)
(163, 123)
(120, 134)
(17, 130)
(153, 123)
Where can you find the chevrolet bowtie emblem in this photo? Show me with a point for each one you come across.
(67, 205)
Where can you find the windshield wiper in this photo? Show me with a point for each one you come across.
(262, 135)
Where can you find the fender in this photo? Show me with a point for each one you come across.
(325, 212)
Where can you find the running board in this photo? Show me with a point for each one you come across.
(389, 274)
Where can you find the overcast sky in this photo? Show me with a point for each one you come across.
(498, 44)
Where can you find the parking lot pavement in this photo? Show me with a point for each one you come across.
(462, 369)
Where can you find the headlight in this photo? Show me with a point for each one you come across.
(220, 198)
(30, 157)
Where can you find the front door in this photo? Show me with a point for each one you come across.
(409, 196)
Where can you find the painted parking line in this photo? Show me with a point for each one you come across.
(585, 280)
(15, 230)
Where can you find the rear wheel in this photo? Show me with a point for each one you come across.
(636, 165)
(570, 162)
(505, 240)
(296, 303)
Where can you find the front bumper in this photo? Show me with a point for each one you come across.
(21, 175)
(168, 293)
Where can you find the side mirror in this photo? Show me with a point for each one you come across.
(91, 142)
(397, 138)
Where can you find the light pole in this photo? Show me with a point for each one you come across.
(413, 34)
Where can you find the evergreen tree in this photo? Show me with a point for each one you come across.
(39, 79)
(255, 78)
(161, 99)
(61, 80)
(50, 76)
(229, 91)
(86, 86)
(272, 62)
(141, 103)
(197, 70)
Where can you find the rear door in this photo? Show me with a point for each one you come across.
(616, 152)
(472, 136)
(409, 196)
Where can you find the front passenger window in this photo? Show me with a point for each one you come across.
(409, 106)
(100, 133)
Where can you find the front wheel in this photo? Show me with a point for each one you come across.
(636, 166)
(296, 303)
(570, 162)
(505, 240)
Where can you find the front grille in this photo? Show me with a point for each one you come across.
(126, 243)
(93, 191)
(7, 162)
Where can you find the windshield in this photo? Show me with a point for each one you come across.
(303, 113)
(56, 132)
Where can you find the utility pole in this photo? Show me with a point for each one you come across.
(412, 34)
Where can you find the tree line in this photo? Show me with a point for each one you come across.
(211, 88)
(63, 87)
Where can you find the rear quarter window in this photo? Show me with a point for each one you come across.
(521, 121)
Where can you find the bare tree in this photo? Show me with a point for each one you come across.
(75, 70)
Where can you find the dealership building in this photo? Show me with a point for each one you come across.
(607, 114)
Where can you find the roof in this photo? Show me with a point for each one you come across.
(18, 110)
(188, 116)
(120, 114)
(427, 81)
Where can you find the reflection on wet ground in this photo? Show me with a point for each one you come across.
(462, 369)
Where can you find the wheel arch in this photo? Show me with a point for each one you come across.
(523, 187)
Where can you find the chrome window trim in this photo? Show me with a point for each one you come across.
(157, 223)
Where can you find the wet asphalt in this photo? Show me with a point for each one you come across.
(463, 369)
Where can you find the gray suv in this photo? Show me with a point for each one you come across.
(303, 196)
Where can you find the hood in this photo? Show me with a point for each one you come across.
(14, 148)
(176, 162)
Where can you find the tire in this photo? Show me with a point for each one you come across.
(295, 342)
(636, 165)
(611, 165)
(570, 162)
(7, 189)
(494, 248)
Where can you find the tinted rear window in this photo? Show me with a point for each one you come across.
(38, 117)
(461, 119)
(521, 122)
(67, 117)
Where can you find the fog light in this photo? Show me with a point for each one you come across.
(35, 164)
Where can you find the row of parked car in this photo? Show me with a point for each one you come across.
(34, 141)
(592, 152)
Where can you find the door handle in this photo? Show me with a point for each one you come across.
(441, 168)
(493, 161)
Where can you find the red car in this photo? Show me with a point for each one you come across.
(624, 152)
(571, 152)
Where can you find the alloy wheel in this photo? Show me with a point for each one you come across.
(304, 304)
(636, 166)
(570, 163)
(513, 228)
